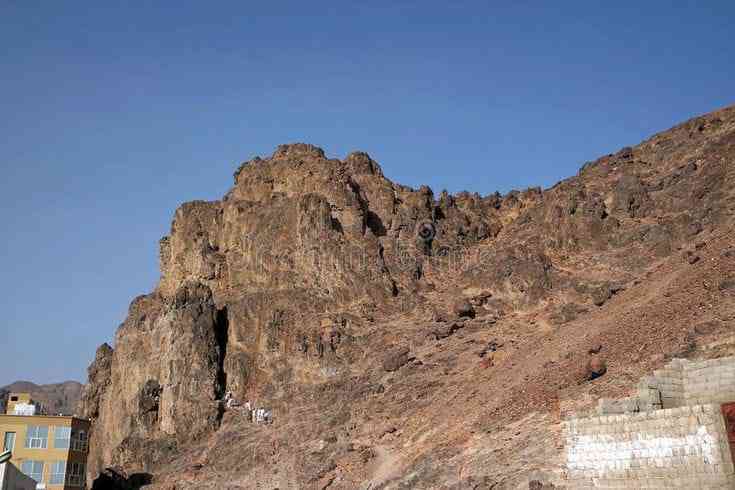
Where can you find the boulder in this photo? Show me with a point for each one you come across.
(596, 367)
(464, 309)
(566, 313)
(595, 349)
(694, 228)
(444, 330)
(396, 359)
(707, 327)
(601, 294)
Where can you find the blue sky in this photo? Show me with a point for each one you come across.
(113, 115)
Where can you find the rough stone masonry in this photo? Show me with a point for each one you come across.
(672, 435)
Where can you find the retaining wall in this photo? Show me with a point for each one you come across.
(682, 447)
(680, 383)
(671, 434)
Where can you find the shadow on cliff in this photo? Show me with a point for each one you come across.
(116, 479)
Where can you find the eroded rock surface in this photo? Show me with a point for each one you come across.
(321, 290)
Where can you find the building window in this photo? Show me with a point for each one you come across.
(34, 469)
(9, 442)
(58, 473)
(75, 477)
(79, 441)
(13, 398)
(62, 435)
(37, 437)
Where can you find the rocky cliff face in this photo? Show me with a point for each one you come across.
(389, 328)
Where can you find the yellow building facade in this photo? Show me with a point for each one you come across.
(50, 449)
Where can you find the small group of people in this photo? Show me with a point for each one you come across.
(256, 415)
(261, 416)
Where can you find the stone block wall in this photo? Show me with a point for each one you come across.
(710, 381)
(680, 383)
(683, 447)
(670, 383)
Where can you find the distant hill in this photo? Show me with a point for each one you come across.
(57, 397)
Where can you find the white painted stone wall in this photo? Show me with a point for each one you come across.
(682, 447)
(671, 434)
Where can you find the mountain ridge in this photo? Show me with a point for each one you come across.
(407, 340)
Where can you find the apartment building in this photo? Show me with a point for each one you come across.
(50, 449)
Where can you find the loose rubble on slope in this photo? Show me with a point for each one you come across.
(406, 339)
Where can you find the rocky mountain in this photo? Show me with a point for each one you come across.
(404, 339)
(56, 398)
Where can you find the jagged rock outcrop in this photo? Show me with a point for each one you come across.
(162, 382)
(319, 289)
(98, 376)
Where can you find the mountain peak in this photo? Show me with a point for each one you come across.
(398, 337)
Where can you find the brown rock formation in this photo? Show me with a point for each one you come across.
(308, 288)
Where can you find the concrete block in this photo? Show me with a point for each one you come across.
(631, 444)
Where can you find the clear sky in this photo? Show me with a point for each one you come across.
(113, 115)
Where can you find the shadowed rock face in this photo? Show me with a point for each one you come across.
(308, 289)
(161, 382)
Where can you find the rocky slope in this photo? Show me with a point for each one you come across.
(56, 398)
(410, 340)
